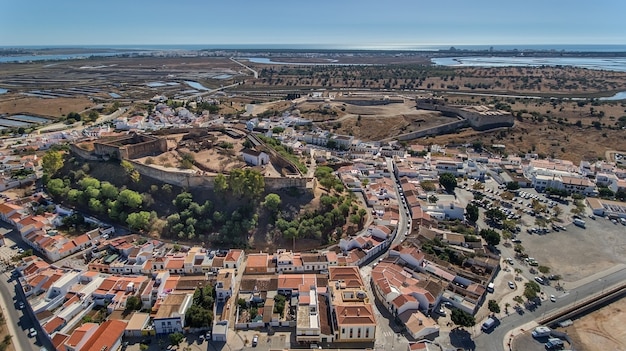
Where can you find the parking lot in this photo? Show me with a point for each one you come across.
(573, 253)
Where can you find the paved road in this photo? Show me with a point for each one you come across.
(256, 74)
(493, 341)
(17, 320)
(387, 331)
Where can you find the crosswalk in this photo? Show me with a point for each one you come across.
(388, 333)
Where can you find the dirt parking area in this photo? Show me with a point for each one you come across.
(604, 329)
(577, 253)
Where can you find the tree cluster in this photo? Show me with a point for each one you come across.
(491, 236)
(193, 219)
(200, 314)
(104, 198)
(462, 318)
(326, 177)
(448, 182)
(334, 212)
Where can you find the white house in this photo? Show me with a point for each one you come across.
(224, 284)
(255, 158)
(170, 316)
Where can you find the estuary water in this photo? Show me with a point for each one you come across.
(608, 63)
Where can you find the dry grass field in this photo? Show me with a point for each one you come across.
(45, 107)
(604, 329)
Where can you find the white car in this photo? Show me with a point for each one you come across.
(511, 285)
(552, 298)
(32, 332)
(255, 341)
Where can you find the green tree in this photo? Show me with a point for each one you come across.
(462, 318)
(448, 181)
(176, 338)
(133, 303)
(493, 306)
(512, 186)
(220, 184)
(108, 191)
(272, 202)
(495, 214)
(182, 200)
(531, 289)
(95, 205)
(129, 198)
(491, 236)
(605, 192)
(138, 220)
(57, 187)
(471, 211)
(51, 162)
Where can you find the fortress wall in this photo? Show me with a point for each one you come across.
(485, 122)
(369, 102)
(84, 154)
(194, 180)
(147, 148)
(441, 129)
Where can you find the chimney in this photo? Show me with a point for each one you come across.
(420, 321)
(358, 311)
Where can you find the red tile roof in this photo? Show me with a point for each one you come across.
(107, 335)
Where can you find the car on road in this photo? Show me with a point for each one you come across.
(255, 340)
(32, 332)
(552, 298)
(511, 285)
(21, 305)
(539, 280)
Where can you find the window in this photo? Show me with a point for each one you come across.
(351, 333)
(367, 333)
(358, 333)
(343, 330)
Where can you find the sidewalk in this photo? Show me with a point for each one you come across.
(511, 334)
(10, 324)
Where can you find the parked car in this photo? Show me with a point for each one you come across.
(552, 298)
(511, 285)
(32, 332)
(255, 340)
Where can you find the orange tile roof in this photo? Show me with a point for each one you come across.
(175, 263)
(53, 324)
(106, 336)
(257, 261)
(81, 239)
(6, 208)
(78, 334)
(51, 281)
(233, 255)
(58, 340)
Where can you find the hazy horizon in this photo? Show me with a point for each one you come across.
(328, 23)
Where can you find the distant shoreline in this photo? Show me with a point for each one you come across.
(556, 49)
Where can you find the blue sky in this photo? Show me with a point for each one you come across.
(355, 23)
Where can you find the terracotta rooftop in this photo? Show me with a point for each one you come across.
(105, 337)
